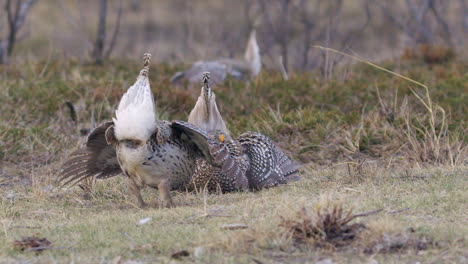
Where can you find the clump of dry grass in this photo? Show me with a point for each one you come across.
(401, 134)
(421, 136)
(106, 225)
(323, 226)
(430, 140)
(329, 226)
(320, 124)
(32, 243)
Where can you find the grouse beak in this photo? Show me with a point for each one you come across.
(221, 138)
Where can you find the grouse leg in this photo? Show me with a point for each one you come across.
(135, 190)
(165, 194)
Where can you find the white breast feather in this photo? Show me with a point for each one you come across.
(135, 116)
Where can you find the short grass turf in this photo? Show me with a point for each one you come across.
(365, 141)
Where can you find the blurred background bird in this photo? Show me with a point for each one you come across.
(246, 68)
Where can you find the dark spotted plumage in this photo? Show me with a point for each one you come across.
(172, 153)
(269, 166)
(256, 158)
(228, 167)
(259, 159)
(215, 178)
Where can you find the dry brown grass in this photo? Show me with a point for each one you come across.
(368, 148)
(422, 217)
(323, 226)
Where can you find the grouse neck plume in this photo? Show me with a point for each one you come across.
(205, 113)
(135, 115)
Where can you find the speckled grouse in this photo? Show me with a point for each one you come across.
(262, 162)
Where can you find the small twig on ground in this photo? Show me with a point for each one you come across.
(48, 248)
(127, 236)
(367, 213)
(235, 226)
(24, 227)
(38, 249)
(216, 215)
(398, 211)
(350, 189)
(208, 215)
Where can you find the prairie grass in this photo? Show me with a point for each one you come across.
(419, 205)
(367, 140)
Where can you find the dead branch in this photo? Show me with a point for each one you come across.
(280, 31)
(399, 211)
(116, 31)
(16, 15)
(417, 23)
(352, 36)
(366, 213)
(464, 10)
(101, 33)
(442, 21)
(308, 22)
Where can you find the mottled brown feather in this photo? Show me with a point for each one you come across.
(217, 154)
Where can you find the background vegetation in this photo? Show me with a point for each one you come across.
(367, 140)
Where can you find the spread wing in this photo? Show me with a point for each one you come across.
(197, 137)
(216, 153)
(95, 158)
